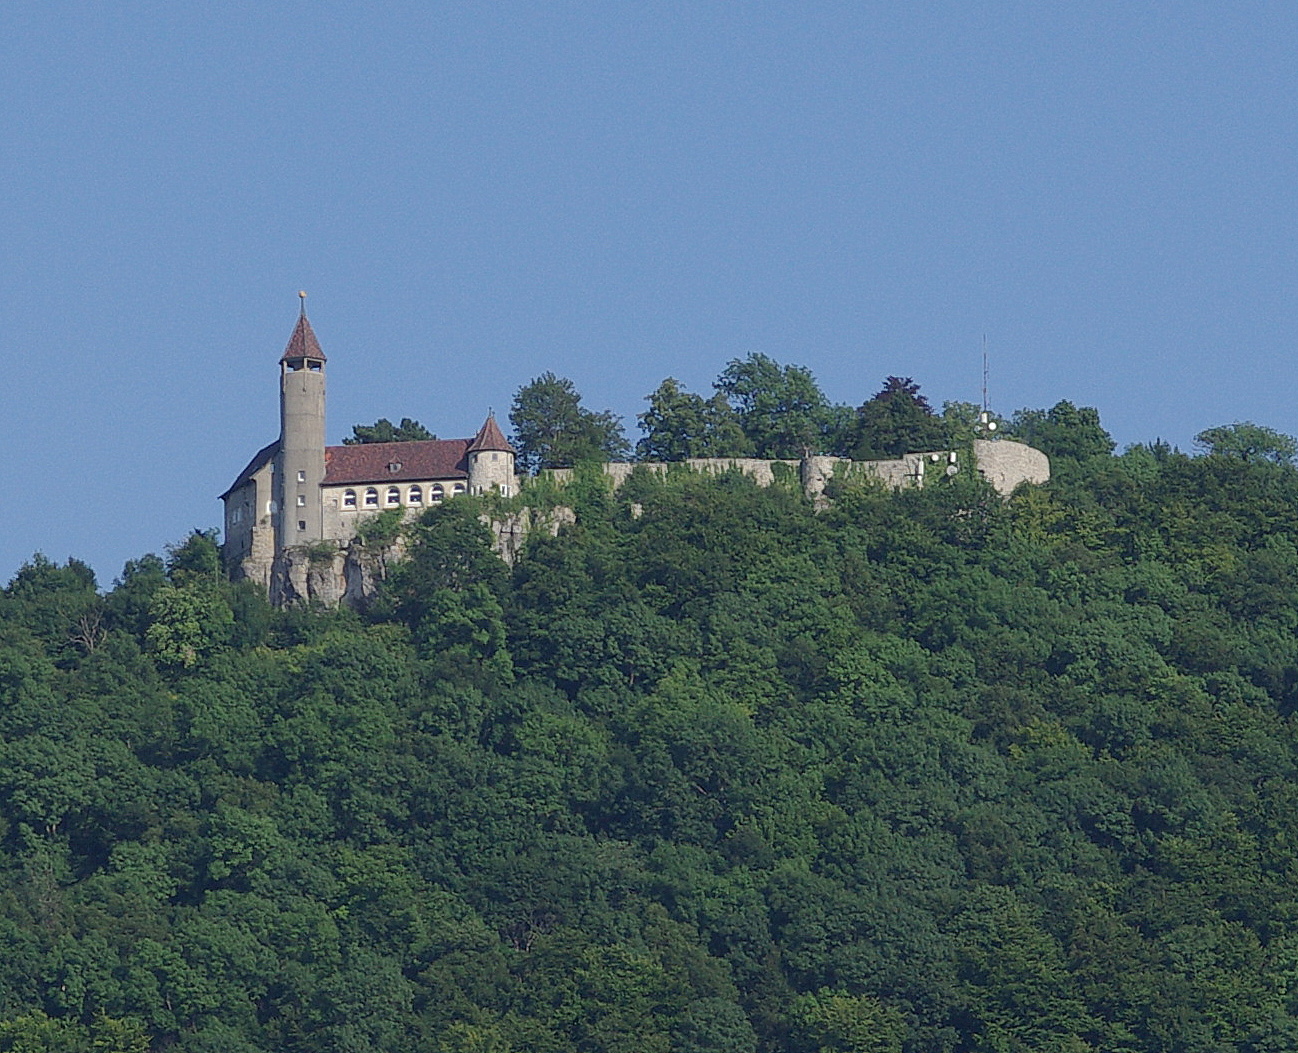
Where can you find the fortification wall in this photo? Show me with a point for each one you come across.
(1003, 462)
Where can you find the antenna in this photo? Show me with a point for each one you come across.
(985, 423)
(985, 406)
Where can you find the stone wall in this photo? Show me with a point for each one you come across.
(1004, 463)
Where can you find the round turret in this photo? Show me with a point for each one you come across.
(491, 461)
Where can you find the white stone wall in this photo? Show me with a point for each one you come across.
(492, 470)
(1006, 464)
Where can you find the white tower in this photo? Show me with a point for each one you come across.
(491, 461)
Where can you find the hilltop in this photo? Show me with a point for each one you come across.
(707, 770)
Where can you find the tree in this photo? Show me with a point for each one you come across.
(197, 558)
(895, 421)
(679, 424)
(383, 430)
(781, 408)
(1063, 431)
(1246, 441)
(552, 429)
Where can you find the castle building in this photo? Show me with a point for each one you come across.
(297, 492)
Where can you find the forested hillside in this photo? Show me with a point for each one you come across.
(707, 772)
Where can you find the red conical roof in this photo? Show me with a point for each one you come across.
(303, 344)
(490, 437)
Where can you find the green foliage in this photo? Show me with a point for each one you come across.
(895, 421)
(198, 558)
(553, 430)
(381, 529)
(1247, 441)
(383, 430)
(781, 409)
(1062, 432)
(679, 424)
(704, 772)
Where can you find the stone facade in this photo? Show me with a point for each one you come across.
(292, 515)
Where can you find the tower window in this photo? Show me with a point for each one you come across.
(416, 496)
(316, 367)
(349, 499)
(301, 477)
(495, 456)
(301, 524)
(371, 498)
(301, 500)
(394, 495)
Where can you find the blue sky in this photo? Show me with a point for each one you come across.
(473, 194)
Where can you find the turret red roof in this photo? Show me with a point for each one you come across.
(490, 437)
(303, 344)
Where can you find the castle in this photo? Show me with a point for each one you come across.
(298, 493)
(292, 515)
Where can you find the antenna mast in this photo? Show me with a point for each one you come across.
(985, 423)
(986, 408)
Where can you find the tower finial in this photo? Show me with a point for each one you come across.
(301, 295)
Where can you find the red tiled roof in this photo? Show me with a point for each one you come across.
(259, 461)
(369, 462)
(303, 344)
(490, 437)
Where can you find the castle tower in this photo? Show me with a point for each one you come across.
(491, 461)
(300, 462)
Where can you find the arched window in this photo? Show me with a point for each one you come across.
(349, 499)
(394, 495)
(458, 488)
(416, 495)
(435, 492)
(371, 498)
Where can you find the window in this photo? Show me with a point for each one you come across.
(435, 492)
(394, 466)
(416, 496)
(301, 500)
(371, 498)
(458, 488)
(394, 495)
(301, 477)
(349, 499)
(495, 456)
(301, 524)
